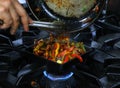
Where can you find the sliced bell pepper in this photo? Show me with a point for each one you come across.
(77, 56)
(55, 50)
(66, 58)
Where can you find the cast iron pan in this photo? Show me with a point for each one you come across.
(61, 69)
(52, 67)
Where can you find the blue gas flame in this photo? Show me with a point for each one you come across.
(57, 78)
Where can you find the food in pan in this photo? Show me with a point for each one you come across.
(59, 49)
(70, 8)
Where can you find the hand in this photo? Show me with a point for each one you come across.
(11, 12)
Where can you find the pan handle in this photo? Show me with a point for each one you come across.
(42, 24)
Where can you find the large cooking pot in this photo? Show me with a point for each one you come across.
(57, 22)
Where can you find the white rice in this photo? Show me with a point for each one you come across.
(70, 8)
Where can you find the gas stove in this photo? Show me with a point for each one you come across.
(20, 68)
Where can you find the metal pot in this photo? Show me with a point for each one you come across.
(59, 23)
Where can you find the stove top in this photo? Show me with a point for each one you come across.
(20, 68)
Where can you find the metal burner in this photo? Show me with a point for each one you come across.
(57, 78)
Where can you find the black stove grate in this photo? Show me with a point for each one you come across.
(79, 79)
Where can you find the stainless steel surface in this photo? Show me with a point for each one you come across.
(59, 27)
(71, 25)
(47, 25)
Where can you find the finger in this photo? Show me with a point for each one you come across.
(6, 17)
(22, 13)
(30, 20)
(15, 19)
